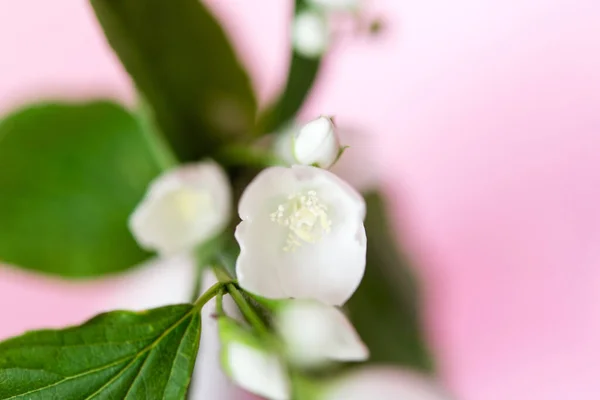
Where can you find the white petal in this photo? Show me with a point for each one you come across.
(385, 384)
(310, 34)
(156, 283)
(183, 208)
(315, 333)
(272, 186)
(328, 270)
(254, 274)
(257, 371)
(317, 143)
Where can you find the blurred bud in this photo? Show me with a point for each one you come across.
(183, 208)
(249, 364)
(315, 334)
(316, 143)
(384, 384)
(336, 5)
(310, 34)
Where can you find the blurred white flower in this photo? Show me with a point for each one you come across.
(302, 235)
(336, 5)
(384, 383)
(182, 208)
(316, 143)
(314, 334)
(310, 34)
(250, 365)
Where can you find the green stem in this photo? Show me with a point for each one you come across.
(246, 308)
(222, 275)
(209, 294)
(220, 310)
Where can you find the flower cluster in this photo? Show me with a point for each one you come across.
(302, 254)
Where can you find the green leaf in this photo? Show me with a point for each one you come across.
(301, 77)
(184, 66)
(385, 309)
(118, 355)
(70, 175)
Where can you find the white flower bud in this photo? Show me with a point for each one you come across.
(183, 208)
(316, 143)
(250, 365)
(302, 236)
(315, 334)
(384, 383)
(336, 5)
(310, 34)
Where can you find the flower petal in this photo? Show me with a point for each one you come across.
(258, 371)
(315, 334)
(265, 192)
(257, 264)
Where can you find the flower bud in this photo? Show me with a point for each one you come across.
(183, 208)
(249, 364)
(315, 334)
(310, 34)
(316, 143)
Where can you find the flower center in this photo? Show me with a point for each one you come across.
(305, 217)
(191, 204)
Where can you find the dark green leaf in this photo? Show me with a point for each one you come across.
(385, 308)
(301, 77)
(118, 355)
(183, 64)
(70, 175)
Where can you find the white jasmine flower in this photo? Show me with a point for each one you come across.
(384, 383)
(314, 334)
(336, 5)
(250, 365)
(302, 236)
(316, 143)
(310, 34)
(182, 208)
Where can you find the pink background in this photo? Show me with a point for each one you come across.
(485, 119)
